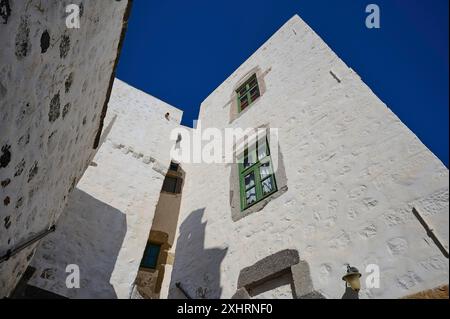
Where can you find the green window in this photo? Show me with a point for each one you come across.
(256, 176)
(248, 93)
(150, 258)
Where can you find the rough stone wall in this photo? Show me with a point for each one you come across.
(354, 171)
(106, 224)
(53, 85)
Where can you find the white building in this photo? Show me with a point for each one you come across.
(106, 224)
(352, 185)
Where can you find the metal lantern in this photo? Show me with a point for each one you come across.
(351, 278)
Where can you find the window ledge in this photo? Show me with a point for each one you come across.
(259, 205)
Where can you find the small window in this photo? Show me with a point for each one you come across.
(256, 176)
(247, 93)
(151, 255)
(170, 184)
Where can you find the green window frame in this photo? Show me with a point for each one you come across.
(248, 93)
(256, 177)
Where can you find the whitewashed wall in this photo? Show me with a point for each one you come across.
(353, 169)
(166, 215)
(53, 85)
(106, 224)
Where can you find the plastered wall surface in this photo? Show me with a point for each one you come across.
(106, 224)
(53, 85)
(354, 173)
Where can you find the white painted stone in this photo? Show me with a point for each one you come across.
(46, 126)
(434, 210)
(354, 173)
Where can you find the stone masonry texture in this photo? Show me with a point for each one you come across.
(106, 224)
(53, 85)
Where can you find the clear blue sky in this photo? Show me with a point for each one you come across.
(180, 50)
